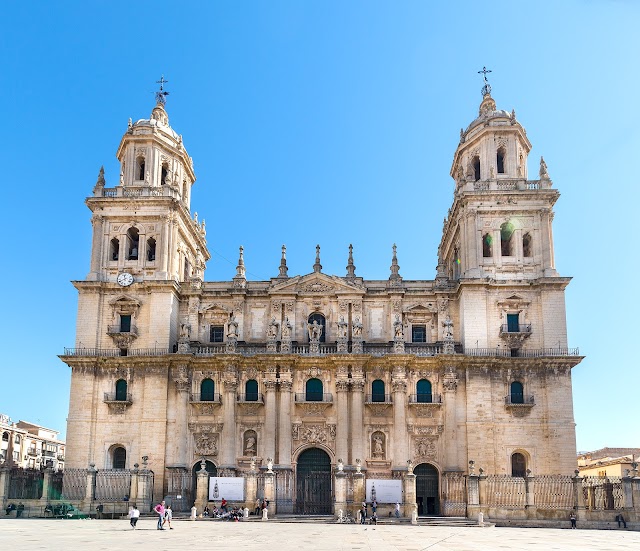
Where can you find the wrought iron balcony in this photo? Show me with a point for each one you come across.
(378, 399)
(32, 452)
(522, 353)
(303, 397)
(519, 400)
(114, 397)
(428, 399)
(205, 398)
(250, 398)
(520, 328)
(118, 330)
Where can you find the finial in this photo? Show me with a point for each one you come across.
(317, 267)
(283, 264)
(161, 95)
(395, 269)
(351, 268)
(101, 181)
(240, 279)
(544, 175)
(486, 89)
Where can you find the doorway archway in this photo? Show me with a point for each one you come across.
(427, 489)
(313, 483)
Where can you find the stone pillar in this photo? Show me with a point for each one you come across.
(4, 487)
(229, 426)
(133, 486)
(359, 490)
(357, 419)
(164, 243)
(581, 513)
(251, 495)
(410, 502)
(473, 496)
(46, 483)
(400, 448)
(183, 385)
(270, 419)
(530, 486)
(482, 492)
(341, 493)
(270, 491)
(342, 421)
(145, 489)
(450, 385)
(202, 487)
(627, 490)
(284, 432)
(96, 245)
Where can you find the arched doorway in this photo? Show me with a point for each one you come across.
(313, 483)
(427, 489)
(211, 469)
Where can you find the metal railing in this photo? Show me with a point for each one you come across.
(113, 352)
(250, 398)
(425, 399)
(519, 400)
(505, 328)
(113, 397)
(198, 397)
(116, 329)
(313, 397)
(522, 352)
(378, 399)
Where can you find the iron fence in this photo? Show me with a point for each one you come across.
(112, 485)
(55, 485)
(74, 483)
(454, 495)
(25, 483)
(553, 492)
(505, 491)
(602, 493)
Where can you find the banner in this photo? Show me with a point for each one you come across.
(229, 487)
(384, 490)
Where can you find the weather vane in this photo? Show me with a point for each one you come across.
(161, 95)
(486, 89)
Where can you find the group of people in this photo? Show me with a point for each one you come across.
(164, 512)
(235, 513)
(373, 519)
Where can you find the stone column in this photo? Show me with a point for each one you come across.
(252, 489)
(183, 385)
(578, 496)
(410, 502)
(342, 421)
(91, 484)
(145, 489)
(96, 245)
(202, 487)
(400, 447)
(627, 489)
(229, 426)
(46, 483)
(530, 486)
(133, 485)
(473, 496)
(341, 493)
(284, 432)
(357, 420)
(450, 385)
(359, 491)
(164, 255)
(4, 487)
(270, 419)
(482, 491)
(270, 491)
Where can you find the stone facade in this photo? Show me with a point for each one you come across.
(472, 366)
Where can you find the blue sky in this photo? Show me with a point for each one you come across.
(320, 122)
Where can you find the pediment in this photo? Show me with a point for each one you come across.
(125, 305)
(514, 302)
(316, 284)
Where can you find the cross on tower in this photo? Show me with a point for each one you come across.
(484, 73)
(161, 95)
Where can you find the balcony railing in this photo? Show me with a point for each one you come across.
(198, 397)
(32, 452)
(378, 399)
(112, 352)
(314, 397)
(251, 398)
(519, 400)
(521, 353)
(505, 328)
(435, 399)
(110, 397)
(118, 329)
(519, 184)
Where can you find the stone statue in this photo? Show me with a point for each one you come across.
(253, 464)
(315, 331)
(397, 328)
(356, 329)
(250, 445)
(269, 465)
(272, 331)
(122, 176)
(358, 466)
(286, 330)
(232, 327)
(378, 447)
(544, 175)
(185, 330)
(340, 465)
(342, 328)
(448, 329)
(147, 177)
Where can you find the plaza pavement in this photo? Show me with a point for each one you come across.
(98, 535)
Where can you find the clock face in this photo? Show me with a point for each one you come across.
(125, 279)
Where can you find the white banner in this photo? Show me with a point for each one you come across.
(230, 488)
(384, 490)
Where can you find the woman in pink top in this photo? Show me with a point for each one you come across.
(159, 509)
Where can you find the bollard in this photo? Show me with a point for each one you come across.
(194, 512)
(246, 512)
(265, 514)
(481, 519)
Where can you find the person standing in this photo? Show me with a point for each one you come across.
(363, 513)
(159, 509)
(257, 510)
(168, 516)
(620, 520)
(223, 505)
(134, 515)
(572, 518)
(374, 506)
(397, 509)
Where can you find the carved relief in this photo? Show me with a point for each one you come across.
(425, 449)
(316, 287)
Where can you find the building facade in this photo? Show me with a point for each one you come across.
(318, 372)
(29, 446)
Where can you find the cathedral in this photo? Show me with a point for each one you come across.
(317, 376)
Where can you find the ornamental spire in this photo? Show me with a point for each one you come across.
(240, 279)
(283, 264)
(395, 269)
(486, 89)
(351, 268)
(161, 95)
(317, 267)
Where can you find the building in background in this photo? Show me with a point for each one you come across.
(608, 462)
(29, 446)
(317, 372)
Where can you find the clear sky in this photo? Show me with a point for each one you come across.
(325, 122)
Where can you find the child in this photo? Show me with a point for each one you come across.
(134, 515)
(168, 515)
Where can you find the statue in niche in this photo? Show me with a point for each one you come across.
(378, 445)
(286, 330)
(544, 175)
(342, 328)
(250, 443)
(315, 331)
(397, 328)
(232, 327)
(356, 330)
(272, 331)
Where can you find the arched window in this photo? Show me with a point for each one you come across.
(119, 458)
(207, 390)
(121, 390)
(17, 439)
(321, 321)
(251, 390)
(377, 391)
(517, 393)
(114, 249)
(456, 264)
(518, 465)
(313, 390)
(133, 241)
(487, 249)
(187, 269)
(5, 436)
(151, 249)
(140, 168)
(423, 391)
(476, 168)
(526, 245)
(500, 156)
(506, 233)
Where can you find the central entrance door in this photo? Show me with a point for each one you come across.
(427, 489)
(313, 483)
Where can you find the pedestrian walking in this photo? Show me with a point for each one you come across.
(168, 515)
(572, 518)
(159, 509)
(397, 509)
(134, 515)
